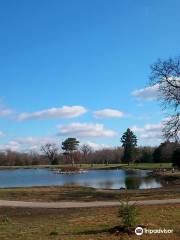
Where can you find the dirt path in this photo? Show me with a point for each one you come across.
(5, 203)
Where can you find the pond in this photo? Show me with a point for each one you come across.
(106, 179)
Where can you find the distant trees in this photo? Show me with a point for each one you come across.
(12, 158)
(69, 146)
(50, 150)
(164, 152)
(50, 154)
(176, 158)
(104, 156)
(86, 150)
(146, 155)
(157, 155)
(165, 74)
(129, 142)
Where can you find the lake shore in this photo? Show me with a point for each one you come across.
(78, 193)
(144, 166)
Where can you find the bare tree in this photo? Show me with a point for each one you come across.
(165, 74)
(86, 149)
(50, 150)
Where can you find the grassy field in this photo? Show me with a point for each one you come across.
(100, 166)
(84, 224)
(77, 193)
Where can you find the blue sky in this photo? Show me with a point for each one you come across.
(89, 56)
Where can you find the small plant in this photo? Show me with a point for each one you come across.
(128, 212)
(4, 219)
(54, 233)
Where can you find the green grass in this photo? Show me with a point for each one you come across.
(149, 166)
(99, 166)
(84, 224)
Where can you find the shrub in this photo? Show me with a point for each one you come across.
(4, 219)
(128, 212)
(54, 233)
(55, 162)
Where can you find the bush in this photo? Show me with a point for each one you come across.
(55, 162)
(128, 212)
(4, 219)
(54, 233)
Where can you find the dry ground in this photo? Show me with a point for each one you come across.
(83, 224)
(77, 193)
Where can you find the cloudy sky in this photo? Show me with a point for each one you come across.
(80, 69)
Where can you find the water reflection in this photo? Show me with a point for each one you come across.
(132, 182)
(107, 179)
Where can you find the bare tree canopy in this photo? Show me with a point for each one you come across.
(166, 75)
(86, 149)
(50, 150)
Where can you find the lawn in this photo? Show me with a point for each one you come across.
(83, 224)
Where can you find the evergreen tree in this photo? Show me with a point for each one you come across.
(157, 155)
(69, 146)
(129, 142)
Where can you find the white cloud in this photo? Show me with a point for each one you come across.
(63, 112)
(148, 93)
(108, 113)
(85, 130)
(95, 146)
(28, 143)
(36, 140)
(11, 145)
(150, 132)
(5, 112)
(34, 143)
(152, 92)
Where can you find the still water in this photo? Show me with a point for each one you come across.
(107, 179)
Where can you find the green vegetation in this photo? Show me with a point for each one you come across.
(128, 213)
(129, 142)
(69, 146)
(164, 152)
(51, 154)
(176, 158)
(85, 224)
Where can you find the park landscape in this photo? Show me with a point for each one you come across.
(89, 120)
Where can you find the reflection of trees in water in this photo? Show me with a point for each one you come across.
(132, 179)
(132, 182)
(151, 182)
(106, 184)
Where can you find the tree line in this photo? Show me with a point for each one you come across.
(71, 152)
